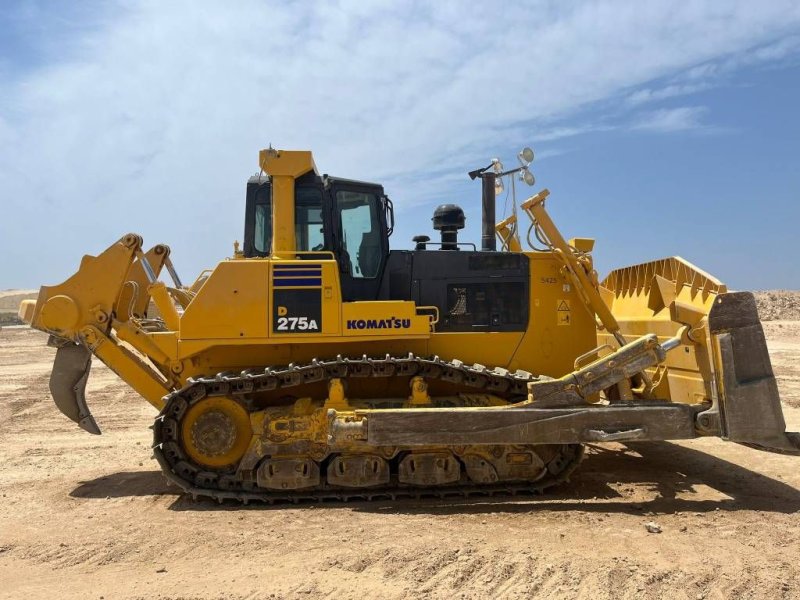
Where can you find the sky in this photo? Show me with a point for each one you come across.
(660, 128)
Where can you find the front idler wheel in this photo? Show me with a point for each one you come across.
(216, 432)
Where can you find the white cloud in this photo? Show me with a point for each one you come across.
(152, 121)
(670, 120)
(700, 78)
(646, 95)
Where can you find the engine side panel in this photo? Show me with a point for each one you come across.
(561, 328)
(497, 308)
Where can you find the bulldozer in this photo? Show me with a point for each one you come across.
(317, 364)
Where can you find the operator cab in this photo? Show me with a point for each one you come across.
(350, 219)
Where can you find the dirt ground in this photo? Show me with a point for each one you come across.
(91, 517)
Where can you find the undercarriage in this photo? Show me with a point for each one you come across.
(213, 440)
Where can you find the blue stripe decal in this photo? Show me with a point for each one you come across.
(293, 267)
(295, 282)
(315, 273)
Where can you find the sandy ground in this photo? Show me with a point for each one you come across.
(91, 517)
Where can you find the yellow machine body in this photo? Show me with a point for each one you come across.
(372, 394)
(226, 325)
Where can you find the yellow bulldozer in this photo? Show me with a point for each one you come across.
(316, 363)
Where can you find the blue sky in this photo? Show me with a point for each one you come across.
(660, 128)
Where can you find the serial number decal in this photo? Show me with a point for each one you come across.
(297, 311)
(296, 323)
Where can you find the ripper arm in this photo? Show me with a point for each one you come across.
(90, 313)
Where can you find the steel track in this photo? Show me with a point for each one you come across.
(201, 482)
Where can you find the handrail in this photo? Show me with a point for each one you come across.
(434, 309)
(304, 253)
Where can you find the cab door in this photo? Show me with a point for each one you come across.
(360, 237)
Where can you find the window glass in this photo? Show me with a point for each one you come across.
(308, 227)
(263, 233)
(308, 219)
(360, 232)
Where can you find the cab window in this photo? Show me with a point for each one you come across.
(262, 236)
(360, 233)
(308, 226)
(308, 230)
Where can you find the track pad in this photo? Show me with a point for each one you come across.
(68, 384)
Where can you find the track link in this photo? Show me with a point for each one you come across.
(199, 481)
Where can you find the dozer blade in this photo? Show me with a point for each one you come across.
(750, 406)
(68, 384)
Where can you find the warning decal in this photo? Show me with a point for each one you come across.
(564, 313)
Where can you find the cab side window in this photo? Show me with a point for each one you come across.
(262, 236)
(360, 233)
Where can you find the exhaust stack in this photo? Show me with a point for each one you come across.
(488, 237)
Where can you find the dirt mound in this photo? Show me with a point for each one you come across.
(10, 299)
(778, 305)
(9, 304)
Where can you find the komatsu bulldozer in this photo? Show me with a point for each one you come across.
(316, 363)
